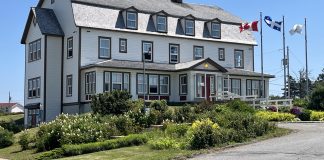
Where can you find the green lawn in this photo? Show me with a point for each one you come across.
(9, 118)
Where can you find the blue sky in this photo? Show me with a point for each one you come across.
(15, 12)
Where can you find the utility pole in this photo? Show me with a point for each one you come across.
(284, 54)
(306, 54)
(262, 74)
(288, 64)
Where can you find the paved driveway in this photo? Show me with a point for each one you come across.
(306, 144)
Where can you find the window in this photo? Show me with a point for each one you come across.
(141, 84)
(157, 84)
(215, 30)
(123, 45)
(238, 59)
(190, 27)
(153, 84)
(104, 48)
(226, 85)
(221, 54)
(161, 23)
(200, 86)
(198, 52)
(183, 84)
(174, 53)
(212, 85)
(236, 86)
(70, 47)
(34, 51)
(116, 81)
(90, 84)
(147, 51)
(164, 84)
(34, 88)
(69, 85)
(254, 88)
(131, 22)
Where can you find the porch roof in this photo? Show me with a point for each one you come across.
(246, 73)
(122, 64)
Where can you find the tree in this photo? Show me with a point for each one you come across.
(302, 87)
(294, 90)
(317, 97)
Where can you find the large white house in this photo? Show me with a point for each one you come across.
(77, 48)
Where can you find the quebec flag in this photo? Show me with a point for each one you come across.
(273, 24)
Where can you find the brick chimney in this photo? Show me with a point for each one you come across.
(177, 1)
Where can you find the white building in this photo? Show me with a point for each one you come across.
(77, 48)
(11, 108)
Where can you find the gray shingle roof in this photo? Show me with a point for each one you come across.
(46, 20)
(174, 9)
(241, 72)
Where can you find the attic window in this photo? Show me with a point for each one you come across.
(161, 23)
(215, 30)
(131, 21)
(190, 27)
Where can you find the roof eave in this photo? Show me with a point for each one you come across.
(26, 29)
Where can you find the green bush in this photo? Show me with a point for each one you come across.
(238, 105)
(305, 115)
(53, 154)
(300, 102)
(6, 138)
(25, 139)
(164, 143)
(124, 124)
(275, 116)
(202, 134)
(183, 114)
(159, 112)
(317, 98)
(317, 116)
(160, 105)
(138, 114)
(114, 102)
(176, 130)
(203, 106)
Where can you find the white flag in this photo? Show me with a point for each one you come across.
(298, 28)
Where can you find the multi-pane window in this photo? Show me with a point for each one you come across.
(215, 30)
(200, 86)
(90, 84)
(69, 85)
(164, 84)
(70, 48)
(254, 88)
(104, 47)
(238, 59)
(221, 54)
(226, 84)
(147, 51)
(156, 84)
(183, 84)
(153, 84)
(131, 20)
(198, 52)
(161, 23)
(116, 81)
(189, 27)
(34, 51)
(34, 88)
(123, 45)
(236, 86)
(212, 85)
(174, 53)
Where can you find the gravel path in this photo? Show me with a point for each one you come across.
(306, 144)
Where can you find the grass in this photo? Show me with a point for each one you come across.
(145, 153)
(9, 118)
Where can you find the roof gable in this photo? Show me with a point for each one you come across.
(3, 105)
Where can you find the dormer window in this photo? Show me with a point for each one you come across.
(131, 20)
(215, 30)
(161, 23)
(189, 27)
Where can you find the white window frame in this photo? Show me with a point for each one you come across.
(34, 86)
(183, 80)
(196, 55)
(126, 81)
(161, 26)
(90, 83)
(212, 85)
(145, 51)
(116, 79)
(141, 82)
(154, 81)
(167, 85)
(239, 59)
(107, 83)
(108, 48)
(70, 47)
(69, 81)
(189, 27)
(34, 51)
(122, 45)
(128, 20)
(200, 84)
(215, 30)
(221, 54)
(236, 86)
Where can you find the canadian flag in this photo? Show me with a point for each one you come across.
(253, 26)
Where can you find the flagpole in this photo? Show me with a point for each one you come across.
(284, 53)
(262, 74)
(288, 70)
(306, 54)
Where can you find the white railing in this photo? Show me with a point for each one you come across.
(226, 95)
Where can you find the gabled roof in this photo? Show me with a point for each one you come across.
(175, 9)
(46, 20)
(3, 105)
(156, 66)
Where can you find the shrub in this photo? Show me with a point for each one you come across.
(124, 124)
(203, 107)
(202, 134)
(176, 130)
(6, 138)
(163, 143)
(12, 126)
(183, 114)
(238, 105)
(317, 98)
(138, 114)
(159, 105)
(295, 111)
(275, 116)
(284, 109)
(300, 102)
(159, 111)
(114, 102)
(25, 139)
(272, 109)
(317, 116)
(305, 115)
(53, 154)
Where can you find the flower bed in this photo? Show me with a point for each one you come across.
(317, 116)
(275, 116)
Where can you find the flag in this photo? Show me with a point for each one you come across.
(298, 28)
(253, 26)
(273, 24)
(9, 98)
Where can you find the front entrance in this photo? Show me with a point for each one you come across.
(205, 86)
